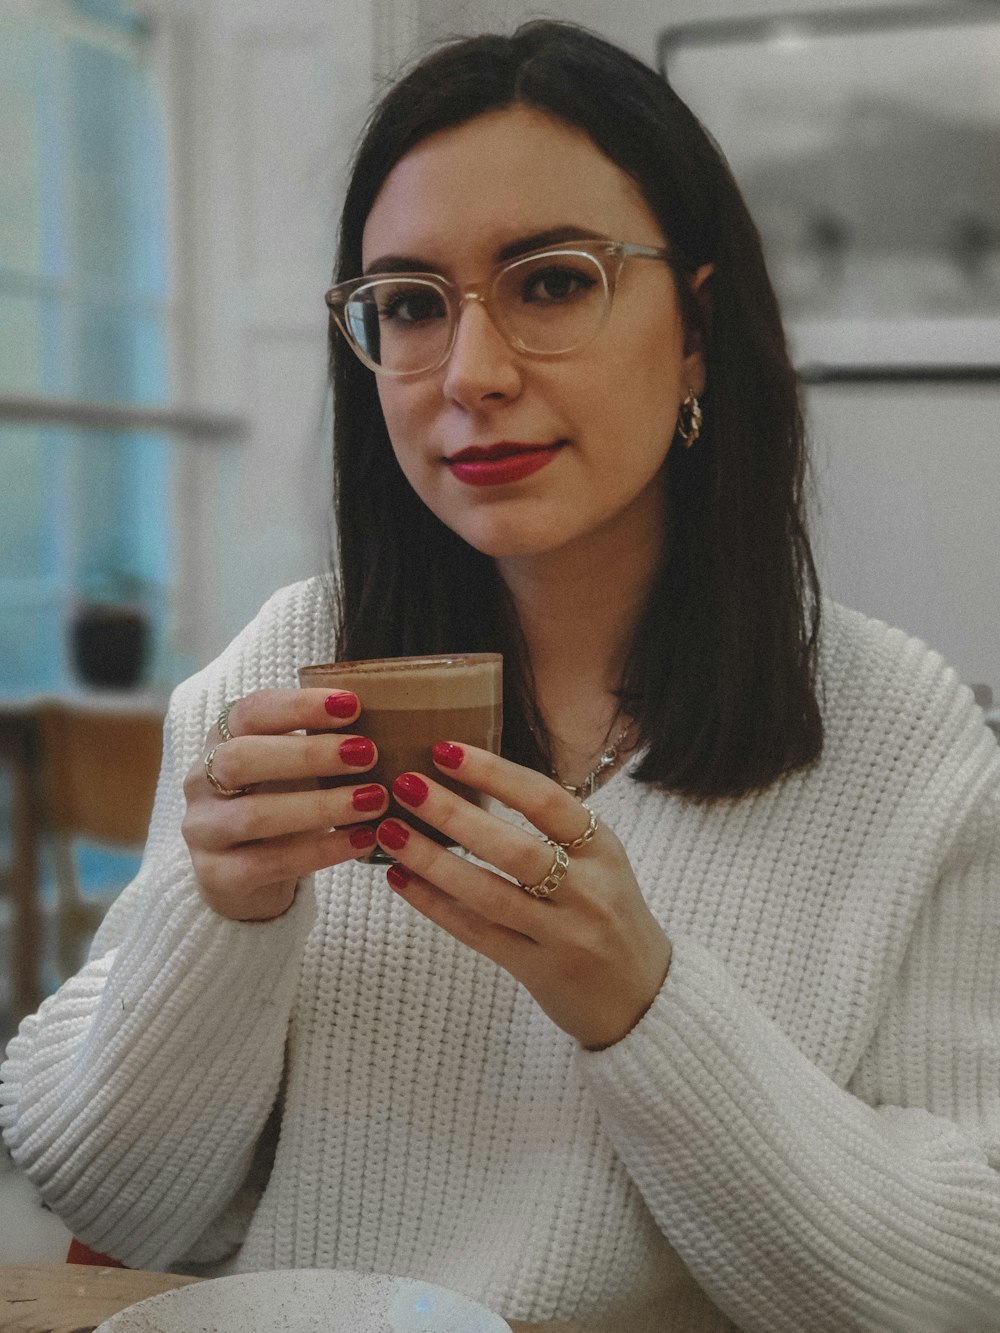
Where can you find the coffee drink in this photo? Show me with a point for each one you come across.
(408, 704)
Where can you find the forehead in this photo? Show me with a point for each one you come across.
(468, 191)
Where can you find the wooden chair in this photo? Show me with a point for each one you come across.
(98, 766)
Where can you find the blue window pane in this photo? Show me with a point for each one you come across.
(100, 493)
(119, 173)
(22, 52)
(22, 346)
(112, 12)
(149, 505)
(120, 353)
(84, 516)
(32, 652)
(118, 485)
(28, 519)
(105, 869)
(33, 339)
(83, 287)
(147, 201)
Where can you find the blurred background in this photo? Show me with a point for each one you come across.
(172, 174)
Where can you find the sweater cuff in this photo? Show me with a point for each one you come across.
(694, 978)
(705, 1054)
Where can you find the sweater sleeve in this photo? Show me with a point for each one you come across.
(135, 1096)
(798, 1203)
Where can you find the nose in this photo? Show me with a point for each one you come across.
(482, 365)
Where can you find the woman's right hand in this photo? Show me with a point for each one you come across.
(249, 850)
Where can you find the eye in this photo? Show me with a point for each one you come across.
(410, 305)
(556, 283)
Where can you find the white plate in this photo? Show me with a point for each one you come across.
(307, 1300)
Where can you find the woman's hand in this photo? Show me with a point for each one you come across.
(592, 954)
(250, 847)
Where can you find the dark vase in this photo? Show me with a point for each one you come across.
(110, 645)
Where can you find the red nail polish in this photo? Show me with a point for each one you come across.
(362, 838)
(358, 751)
(397, 877)
(448, 754)
(393, 834)
(368, 798)
(341, 705)
(411, 789)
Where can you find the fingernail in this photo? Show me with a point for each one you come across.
(358, 751)
(341, 705)
(362, 838)
(368, 798)
(448, 754)
(393, 834)
(411, 789)
(397, 877)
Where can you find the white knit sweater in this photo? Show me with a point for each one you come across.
(802, 1133)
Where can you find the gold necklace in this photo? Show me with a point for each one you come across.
(608, 759)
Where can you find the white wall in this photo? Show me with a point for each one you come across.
(633, 24)
(909, 488)
(908, 478)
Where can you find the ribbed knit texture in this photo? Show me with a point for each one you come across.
(803, 1132)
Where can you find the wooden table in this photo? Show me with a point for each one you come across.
(72, 1298)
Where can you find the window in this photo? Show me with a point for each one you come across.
(84, 289)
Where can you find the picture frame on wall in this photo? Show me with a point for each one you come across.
(867, 146)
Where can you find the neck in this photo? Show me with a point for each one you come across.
(579, 608)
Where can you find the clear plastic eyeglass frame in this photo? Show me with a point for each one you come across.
(607, 257)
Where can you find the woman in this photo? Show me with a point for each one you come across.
(731, 1059)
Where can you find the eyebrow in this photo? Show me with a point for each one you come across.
(552, 236)
(523, 245)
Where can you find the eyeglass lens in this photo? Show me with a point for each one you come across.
(546, 303)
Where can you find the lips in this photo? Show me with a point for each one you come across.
(501, 463)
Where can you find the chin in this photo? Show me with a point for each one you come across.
(505, 540)
(506, 527)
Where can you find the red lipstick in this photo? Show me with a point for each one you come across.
(501, 463)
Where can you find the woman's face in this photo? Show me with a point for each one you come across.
(605, 414)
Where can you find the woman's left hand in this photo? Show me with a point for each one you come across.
(592, 954)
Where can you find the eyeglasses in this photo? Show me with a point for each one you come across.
(546, 303)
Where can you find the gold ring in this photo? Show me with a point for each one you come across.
(223, 791)
(222, 721)
(546, 887)
(584, 837)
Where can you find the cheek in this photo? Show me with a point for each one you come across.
(391, 403)
(402, 415)
(636, 393)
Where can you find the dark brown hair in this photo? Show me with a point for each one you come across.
(722, 674)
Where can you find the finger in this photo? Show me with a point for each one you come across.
(523, 856)
(490, 896)
(214, 824)
(276, 712)
(503, 946)
(247, 760)
(554, 811)
(246, 885)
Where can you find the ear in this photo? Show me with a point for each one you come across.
(698, 324)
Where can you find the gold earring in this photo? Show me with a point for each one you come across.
(689, 420)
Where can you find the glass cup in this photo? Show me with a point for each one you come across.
(408, 704)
